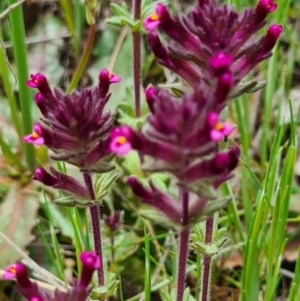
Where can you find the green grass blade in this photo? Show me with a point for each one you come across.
(58, 256)
(296, 280)
(147, 288)
(5, 72)
(20, 55)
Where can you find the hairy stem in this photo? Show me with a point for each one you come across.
(183, 246)
(207, 262)
(96, 229)
(136, 36)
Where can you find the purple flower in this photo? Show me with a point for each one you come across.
(40, 82)
(151, 97)
(61, 181)
(218, 130)
(105, 80)
(221, 63)
(37, 136)
(263, 8)
(121, 140)
(152, 22)
(75, 127)
(224, 86)
(79, 292)
(113, 220)
(161, 17)
(271, 38)
(90, 263)
(211, 38)
(216, 170)
(19, 272)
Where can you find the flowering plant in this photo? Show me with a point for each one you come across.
(79, 291)
(210, 50)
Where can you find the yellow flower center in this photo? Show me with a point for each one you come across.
(219, 126)
(35, 135)
(121, 140)
(12, 270)
(154, 17)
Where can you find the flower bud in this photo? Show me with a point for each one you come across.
(221, 63)
(113, 220)
(105, 80)
(61, 181)
(40, 82)
(151, 94)
(263, 8)
(90, 263)
(271, 38)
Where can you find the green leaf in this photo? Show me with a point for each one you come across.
(114, 20)
(118, 10)
(131, 164)
(126, 244)
(72, 201)
(103, 183)
(247, 87)
(211, 207)
(165, 296)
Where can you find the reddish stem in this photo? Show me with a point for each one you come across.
(96, 229)
(136, 36)
(183, 246)
(207, 262)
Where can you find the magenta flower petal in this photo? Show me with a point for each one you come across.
(90, 263)
(10, 272)
(218, 129)
(151, 23)
(227, 129)
(119, 147)
(114, 79)
(121, 140)
(36, 137)
(39, 141)
(18, 271)
(271, 38)
(221, 63)
(105, 80)
(40, 82)
(216, 135)
(263, 8)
